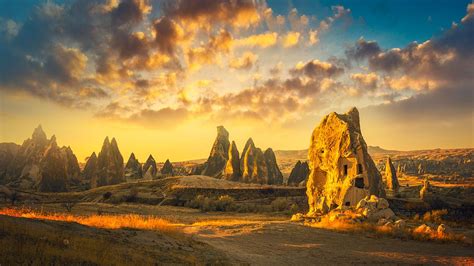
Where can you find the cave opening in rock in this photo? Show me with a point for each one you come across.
(359, 182)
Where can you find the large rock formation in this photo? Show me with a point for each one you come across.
(342, 171)
(133, 168)
(73, 170)
(298, 174)
(32, 165)
(53, 169)
(252, 164)
(391, 176)
(110, 164)
(274, 174)
(149, 168)
(232, 167)
(90, 171)
(217, 160)
(259, 167)
(7, 154)
(167, 169)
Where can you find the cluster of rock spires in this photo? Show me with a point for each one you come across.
(107, 168)
(342, 171)
(253, 166)
(299, 174)
(39, 163)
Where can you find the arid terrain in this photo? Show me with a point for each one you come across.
(215, 237)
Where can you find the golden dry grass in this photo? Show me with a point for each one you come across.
(348, 226)
(99, 221)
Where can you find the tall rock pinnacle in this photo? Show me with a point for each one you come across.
(342, 171)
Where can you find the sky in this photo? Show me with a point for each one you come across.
(160, 75)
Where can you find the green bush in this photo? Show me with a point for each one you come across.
(280, 204)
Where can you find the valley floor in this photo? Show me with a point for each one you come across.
(225, 238)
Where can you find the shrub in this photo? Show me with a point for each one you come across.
(225, 203)
(435, 216)
(280, 204)
(107, 195)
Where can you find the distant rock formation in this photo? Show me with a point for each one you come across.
(342, 171)
(275, 177)
(110, 164)
(391, 176)
(298, 174)
(7, 154)
(254, 166)
(259, 167)
(91, 170)
(425, 192)
(39, 163)
(53, 169)
(167, 169)
(149, 168)
(219, 155)
(232, 167)
(73, 170)
(133, 168)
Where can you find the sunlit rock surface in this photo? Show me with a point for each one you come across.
(342, 171)
(219, 155)
(391, 176)
(232, 167)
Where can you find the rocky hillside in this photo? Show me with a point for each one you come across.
(39, 163)
(441, 162)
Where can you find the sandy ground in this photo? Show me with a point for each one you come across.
(265, 239)
(285, 243)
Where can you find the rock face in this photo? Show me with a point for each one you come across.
(53, 169)
(39, 163)
(232, 167)
(254, 166)
(167, 169)
(259, 167)
(91, 170)
(133, 168)
(73, 170)
(273, 172)
(219, 154)
(391, 176)
(299, 173)
(149, 168)
(7, 154)
(342, 171)
(110, 164)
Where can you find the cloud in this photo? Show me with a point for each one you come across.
(167, 35)
(363, 49)
(317, 69)
(262, 40)
(245, 62)
(369, 81)
(291, 39)
(204, 14)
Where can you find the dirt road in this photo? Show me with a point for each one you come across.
(285, 243)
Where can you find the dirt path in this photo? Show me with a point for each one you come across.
(285, 243)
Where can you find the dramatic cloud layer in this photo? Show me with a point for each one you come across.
(161, 63)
